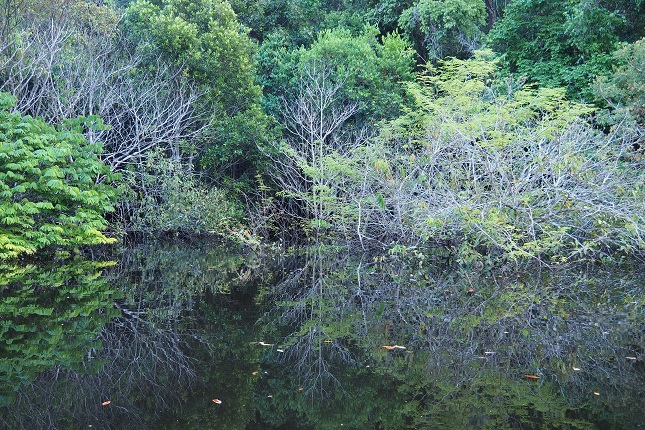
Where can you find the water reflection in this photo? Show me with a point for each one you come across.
(539, 349)
(51, 317)
(317, 339)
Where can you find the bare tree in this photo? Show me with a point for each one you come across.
(59, 71)
(319, 136)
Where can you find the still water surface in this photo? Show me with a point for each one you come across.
(205, 336)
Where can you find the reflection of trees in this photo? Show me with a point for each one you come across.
(145, 361)
(544, 324)
(142, 368)
(470, 339)
(315, 307)
(50, 313)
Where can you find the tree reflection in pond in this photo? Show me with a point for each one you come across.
(543, 349)
(51, 317)
(326, 339)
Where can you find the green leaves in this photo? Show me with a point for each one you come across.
(48, 188)
(370, 72)
(444, 25)
(215, 54)
(564, 43)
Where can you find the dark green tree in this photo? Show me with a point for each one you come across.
(368, 71)
(564, 42)
(623, 92)
(441, 28)
(214, 50)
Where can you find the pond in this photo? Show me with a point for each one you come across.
(182, 335)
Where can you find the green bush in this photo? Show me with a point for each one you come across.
(502, 169)
(52, 189)
(167, 197)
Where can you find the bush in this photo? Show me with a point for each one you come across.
(51, 185)
(506, 170)
(165, 196)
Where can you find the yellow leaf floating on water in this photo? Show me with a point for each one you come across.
(107, 402)
(255, 373)
(531, 377)
(596, 393)
(218, 401)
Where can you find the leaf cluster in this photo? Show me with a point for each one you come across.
(51, 184)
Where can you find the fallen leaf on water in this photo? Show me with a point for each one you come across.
(300, 389)
(531, 377)
(218, 401)
(107, 402)
(255, 373)
(596, 393)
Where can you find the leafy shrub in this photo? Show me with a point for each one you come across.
(165, 196)
(51, 184)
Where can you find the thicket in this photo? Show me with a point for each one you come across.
(482, 167)
(376, 123)
(52, 185)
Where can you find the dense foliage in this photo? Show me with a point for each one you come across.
(563, 42)
(214, 53)
(438, 174)
(51, 184)
(307, 113)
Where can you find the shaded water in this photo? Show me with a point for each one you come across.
(318, 340)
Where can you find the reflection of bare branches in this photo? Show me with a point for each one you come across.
(315, 358)
(316, 305)
(545, 324)
(137, 350)
(141, 365)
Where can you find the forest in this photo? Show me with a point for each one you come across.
(479, 130)
(308, 214)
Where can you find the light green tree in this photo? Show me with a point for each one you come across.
(52, 184)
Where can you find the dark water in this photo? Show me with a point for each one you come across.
(204, 336)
